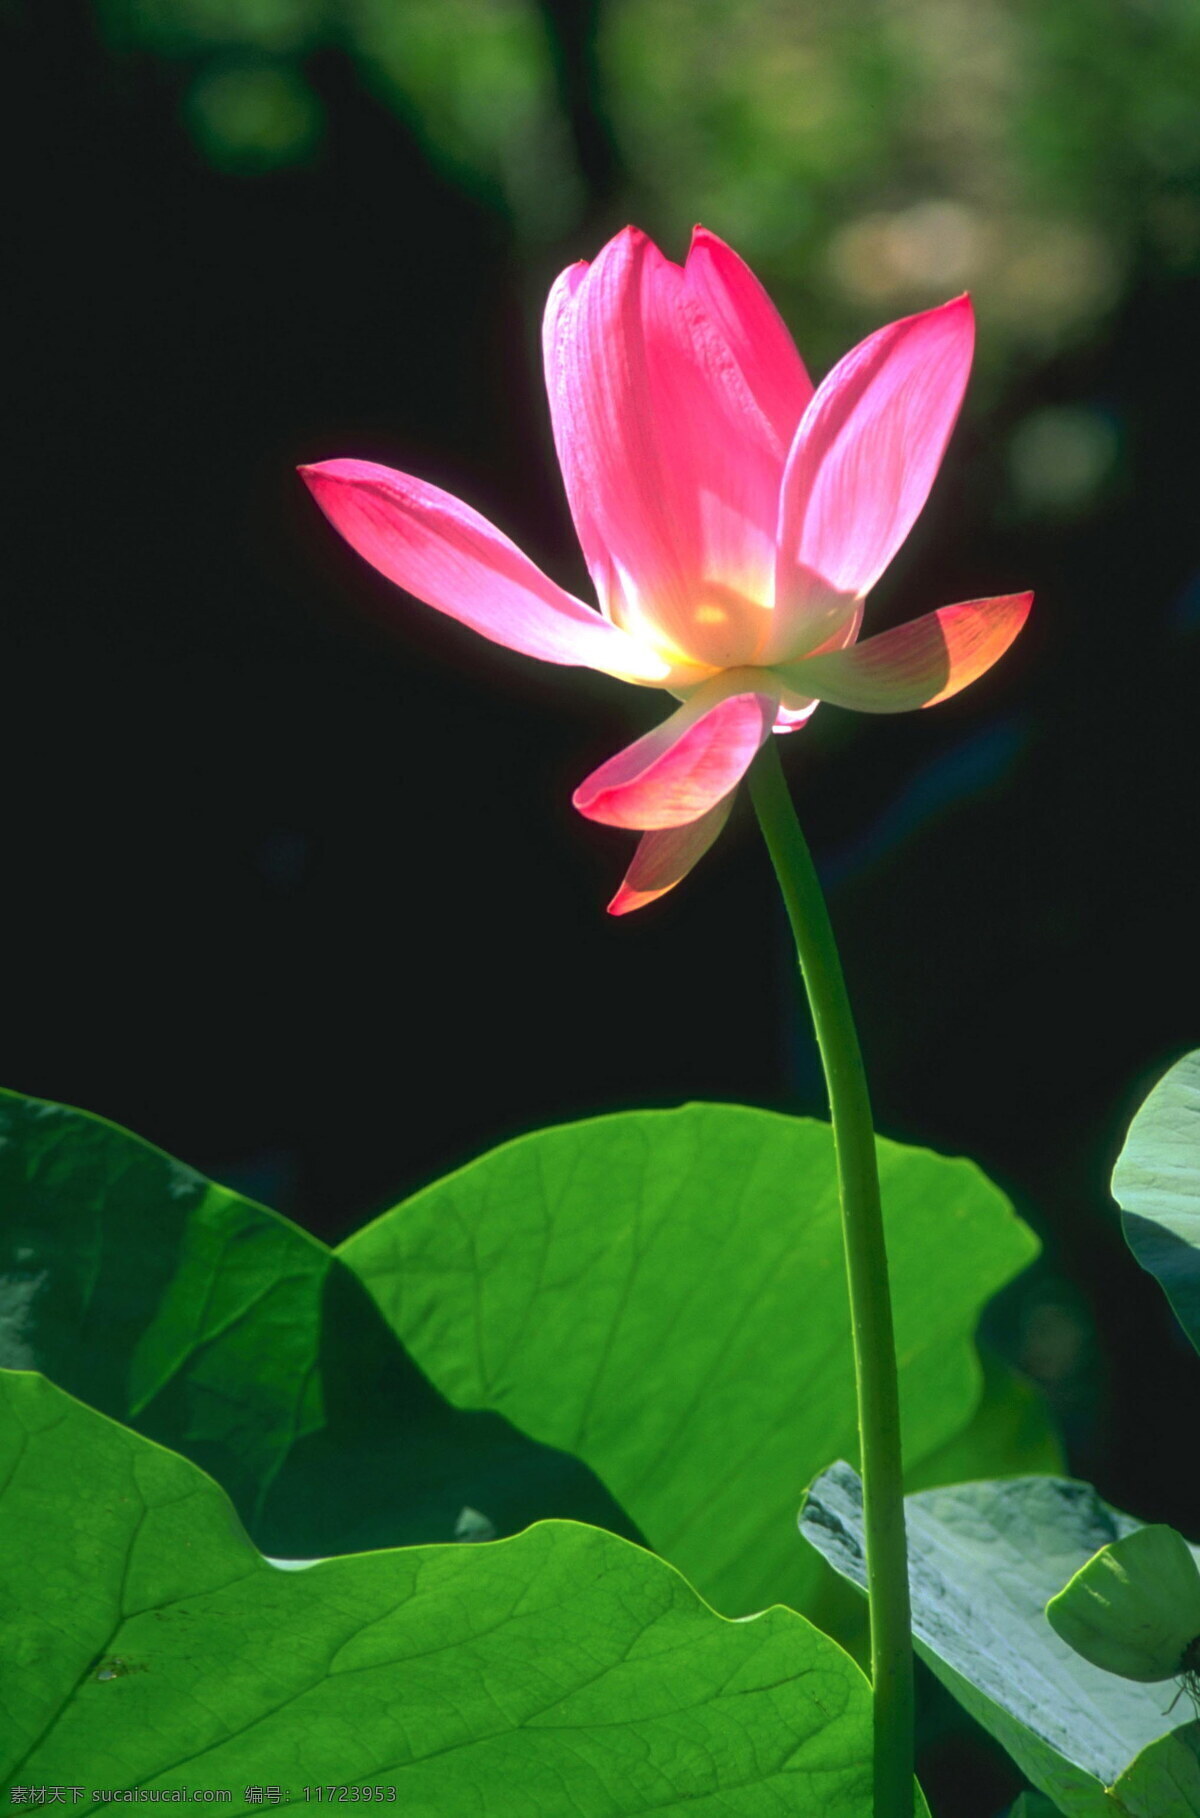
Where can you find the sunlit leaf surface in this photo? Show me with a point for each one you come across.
(662, 1293)
(147, 1644)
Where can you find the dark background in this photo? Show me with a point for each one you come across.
(293, 884)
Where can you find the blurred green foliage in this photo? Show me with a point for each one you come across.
(474, 79)
(246, 119)
(869, 158)
(884, 153)
(873, 155)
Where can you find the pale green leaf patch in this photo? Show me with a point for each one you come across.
(984, 1561)
(1157, 1183)
(1134, 1608)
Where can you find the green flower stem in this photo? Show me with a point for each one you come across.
(867, 1275)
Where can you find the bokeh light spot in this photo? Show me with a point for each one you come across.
(250, 118)
(1059, 458)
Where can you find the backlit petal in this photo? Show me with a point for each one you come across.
(790, 719)
(557, 333)
(869, 446)
(914, 665)
(445, 553)
(753, 330)
(809, 616)
(663, 859)
(797, 707)
(685, 766)
(671, 466)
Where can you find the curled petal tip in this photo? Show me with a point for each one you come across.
(317, 476)
(342, 470)
(959, 310)
(627, 900)
(960, 305)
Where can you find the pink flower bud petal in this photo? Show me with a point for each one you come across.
(869, 446)
(753, 331)
(671, 464)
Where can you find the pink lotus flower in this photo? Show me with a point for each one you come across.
(732, 519)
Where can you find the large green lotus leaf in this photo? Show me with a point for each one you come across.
(1010, 1434)
(984, 1560)
(662, 1293)
(1156, 1182)
(223, 1331)
(145, 1643)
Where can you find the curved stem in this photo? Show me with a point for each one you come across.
(867, 1277)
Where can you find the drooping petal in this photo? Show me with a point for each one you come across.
(445, 553)
(663, 859)
(914, 665)
(753, 330)
(869, 446)
(684, 767)
(671, 467)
